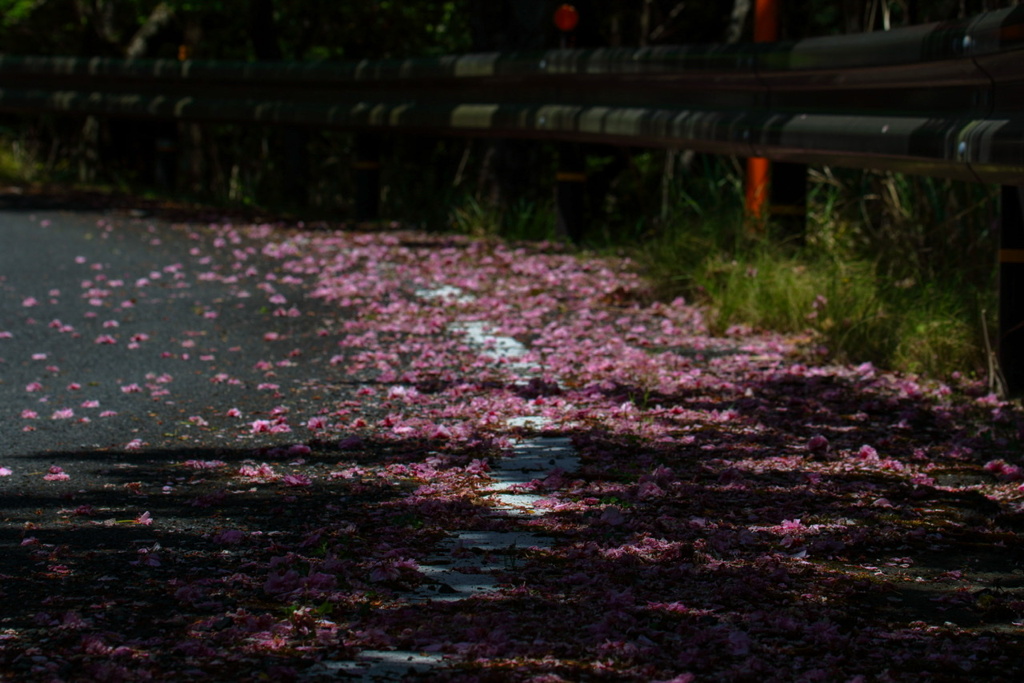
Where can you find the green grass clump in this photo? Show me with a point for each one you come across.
(940, 333)
(14, 165)
(854, 313)
(525, 221)
(897, 297)
(760, 287)
(926, 329)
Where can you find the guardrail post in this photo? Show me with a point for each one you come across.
(165, 162)
(756, 188)
(296, 165)
(366, 177)
(1011, 288)
(570, 191)
(787, 204)
(766, 30)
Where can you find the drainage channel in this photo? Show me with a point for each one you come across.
(464, 564)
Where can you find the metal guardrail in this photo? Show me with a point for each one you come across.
(941, 99)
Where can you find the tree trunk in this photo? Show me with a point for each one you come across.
(737, 20)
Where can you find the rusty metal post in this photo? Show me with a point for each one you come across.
(756, 186)
(766, 30)
(1011, 289)
(766, 21)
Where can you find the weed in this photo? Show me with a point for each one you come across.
(894, 276)
(525, 220)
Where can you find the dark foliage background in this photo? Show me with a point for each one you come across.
(280, 169)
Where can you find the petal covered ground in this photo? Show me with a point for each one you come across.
(234, 452)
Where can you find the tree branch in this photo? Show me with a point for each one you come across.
(139, 46)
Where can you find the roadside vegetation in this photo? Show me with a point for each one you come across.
(894, 270)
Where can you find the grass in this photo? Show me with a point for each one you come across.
(905, 292)
(15, 164)
(525, 221)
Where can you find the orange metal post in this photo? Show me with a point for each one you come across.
(766, 21)
(766, 30)
(758, 173)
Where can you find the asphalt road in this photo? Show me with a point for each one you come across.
(867, 517)
(127, 322)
